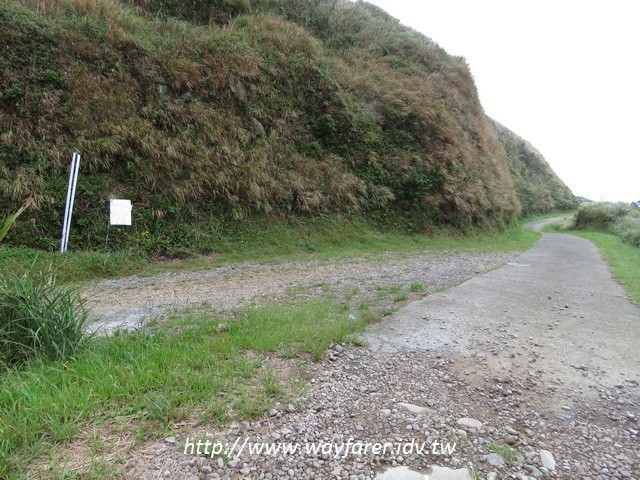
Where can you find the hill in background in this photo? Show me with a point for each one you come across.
(209, 112)
(538, 188)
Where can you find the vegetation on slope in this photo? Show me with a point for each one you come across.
(539, 189)
(201, 115)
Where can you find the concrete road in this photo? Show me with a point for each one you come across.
(554, 314)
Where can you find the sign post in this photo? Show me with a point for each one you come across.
(71, 193)
(119, 214)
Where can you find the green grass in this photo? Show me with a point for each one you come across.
(40, 318)
(151, 380)
(71, 267)
(416, 287)
(401, 297)
(507, 452)
(623, 259)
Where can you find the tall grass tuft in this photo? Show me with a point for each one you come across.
(39, 319)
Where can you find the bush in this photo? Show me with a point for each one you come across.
(600, 215)
(628, 229)
(39, 319)
(618, 218)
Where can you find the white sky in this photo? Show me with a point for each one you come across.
(562, 74)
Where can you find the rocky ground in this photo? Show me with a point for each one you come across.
(518, 422)
(501, 430)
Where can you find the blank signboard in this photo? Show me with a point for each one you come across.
(120, 212)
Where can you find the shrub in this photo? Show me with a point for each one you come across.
(39, 319)
(618, 218)
(628, 229)
(599, 215)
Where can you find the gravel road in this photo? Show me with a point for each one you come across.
(530, 371)
(129, 302)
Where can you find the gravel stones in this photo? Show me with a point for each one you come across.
(334, 410)
(494, 460)
(128, 302)
(469, 422)
(547, 460)
(361, 395)
(418, 410)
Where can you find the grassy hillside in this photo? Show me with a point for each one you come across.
(207, 112)
(538, 187)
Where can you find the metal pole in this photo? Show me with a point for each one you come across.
(71, 192)
(66, 206)
(73, 196)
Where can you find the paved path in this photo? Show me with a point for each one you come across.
(555, 312)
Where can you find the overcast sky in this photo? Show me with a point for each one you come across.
(562, 74)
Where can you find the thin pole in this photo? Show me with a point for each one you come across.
(66, 205)
(71, 192)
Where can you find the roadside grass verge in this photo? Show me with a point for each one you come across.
(209, 368)
(264, 241)
(623, 259)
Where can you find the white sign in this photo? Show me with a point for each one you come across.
(119, 212)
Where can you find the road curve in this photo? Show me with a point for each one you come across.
(554, 313)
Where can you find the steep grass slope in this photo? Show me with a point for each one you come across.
(207, 112)
(538, 187)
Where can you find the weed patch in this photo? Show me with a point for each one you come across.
(507, 452)
(184, 370)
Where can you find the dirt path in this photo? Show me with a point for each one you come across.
(128, 302)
